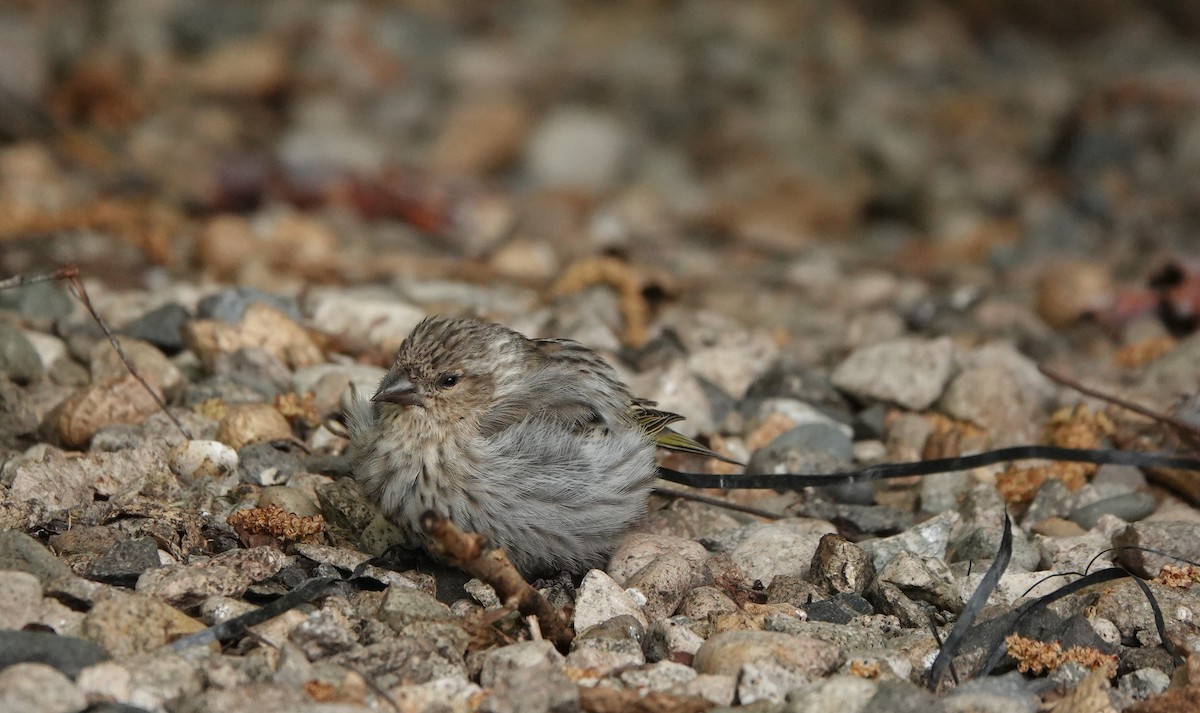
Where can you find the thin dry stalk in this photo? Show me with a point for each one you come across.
(1168, 419)
(70, 275)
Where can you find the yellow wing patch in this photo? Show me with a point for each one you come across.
(655, 422)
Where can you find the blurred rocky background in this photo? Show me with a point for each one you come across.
(738, 155)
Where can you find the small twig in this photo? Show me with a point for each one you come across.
(1128, 405)
(22, 280)
(71, 276)
(465, 551)
(535, 629)
(718, 502)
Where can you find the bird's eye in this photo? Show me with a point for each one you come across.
(447, 380)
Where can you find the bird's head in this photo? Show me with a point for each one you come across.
(449, 371)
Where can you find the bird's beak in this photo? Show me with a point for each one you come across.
(401, 392)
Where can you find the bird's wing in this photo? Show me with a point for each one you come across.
(578, 390)
(655, 423)
(556, 398)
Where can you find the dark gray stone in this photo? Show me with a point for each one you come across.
(809, 448)
(982, 694)
(784, 381)
(877, 520)
(41, 302)
(871, 422)
(720, 402)
(1052, 499)
(403, 660)
(1181, 539)
(983, 543)
(21, 552)
(65, 653)
(223, 387)
(125, 562)
(256, 369)
(18, 359)
(896, 696)
(540, 689)
(18, 415)
(230, 304)
(1111, 478)
(264, 464)
(841, 609)
(162, 327)
(1130, 507)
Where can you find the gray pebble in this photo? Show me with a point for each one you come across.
(264, 464)
(1180, 538)
(230, 304)
(841, 566)
(288, 499)
(670, 638)
(38, 687)
(928, 538)
(65, 653)
(162, 327)
(125, 562)
(1144, 683)
(501, 662)
(43, 302)
(663, 583)
(908, 372)
(1130, 507)
(18, 359)
(541, 689)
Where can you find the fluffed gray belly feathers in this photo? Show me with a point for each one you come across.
(553, 498)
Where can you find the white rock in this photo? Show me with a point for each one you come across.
(639, 549)
(195, 460)
(909, 372)
(107, 680)
(1106, 630)
(364, 377)
(156, 678)
(377, 316)
(449, 693)
(1016, 587)
(601, 599)
(661, 676)
(21, 597)
(928, 538)
(782, 547)
(842, 693)
(499, 663)
(48, 347)
(38, 688)
(799, 412)
(733, 363)
(765, 680)
(1074, 553)
(579, 148)
(713, 687)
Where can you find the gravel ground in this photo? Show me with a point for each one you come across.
(830, 234)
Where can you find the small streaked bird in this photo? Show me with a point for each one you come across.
(534, 442)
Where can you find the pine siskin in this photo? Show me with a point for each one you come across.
(534, 442)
